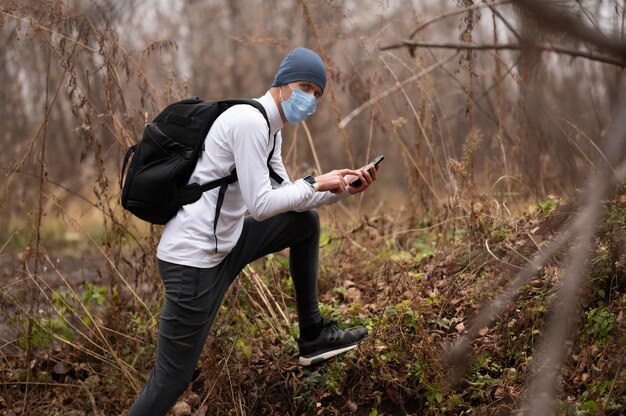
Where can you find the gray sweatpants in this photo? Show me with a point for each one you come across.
(193, 297)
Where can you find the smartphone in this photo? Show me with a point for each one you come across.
(357, 182)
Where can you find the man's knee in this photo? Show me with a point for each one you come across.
(310, 221)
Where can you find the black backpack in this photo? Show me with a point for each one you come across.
(156, 186)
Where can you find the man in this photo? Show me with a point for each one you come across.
(201, 253)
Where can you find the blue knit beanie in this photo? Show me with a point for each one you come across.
(301, 64)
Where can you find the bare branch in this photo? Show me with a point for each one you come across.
(511, 46)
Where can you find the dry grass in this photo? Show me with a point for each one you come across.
(470, 143)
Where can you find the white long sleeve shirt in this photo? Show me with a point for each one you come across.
(238, 138)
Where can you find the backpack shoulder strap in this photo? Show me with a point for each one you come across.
(273, 173)
(253, 103)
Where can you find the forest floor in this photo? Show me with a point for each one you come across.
(91, 344)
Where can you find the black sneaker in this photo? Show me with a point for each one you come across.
(330, 342)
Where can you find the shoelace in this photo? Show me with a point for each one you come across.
(334, 329)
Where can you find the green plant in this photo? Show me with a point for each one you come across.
(594, 398)
(599, 325)
(65, 305)
(44, 331)
(304, 398)
(485, 375)
(616, 216)
(434, 396)
(94, 293)
(545, 207)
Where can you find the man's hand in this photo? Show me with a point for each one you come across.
(367, 174)
(335, 181)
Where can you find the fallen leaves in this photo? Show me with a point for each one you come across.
(181, 409)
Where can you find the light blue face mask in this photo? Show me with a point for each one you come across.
(299, 106)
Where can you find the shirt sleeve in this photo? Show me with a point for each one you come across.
(251, 146)
(318, 198)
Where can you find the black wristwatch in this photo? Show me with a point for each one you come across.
(312, 181)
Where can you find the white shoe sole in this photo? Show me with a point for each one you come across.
(316, 359)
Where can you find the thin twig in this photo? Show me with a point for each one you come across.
(396, 87)
(497, 258)
(618, 374)
(591, 142)
(418, 120)
(313, 150)
(92, 399)
(37, 383)
(381, 315)
(456, 12)
(504, 21)
(47, 29)
(331, 86)
(416, 165)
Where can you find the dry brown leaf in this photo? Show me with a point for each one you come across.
(181, 409)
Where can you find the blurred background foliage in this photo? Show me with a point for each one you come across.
(85, 77)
